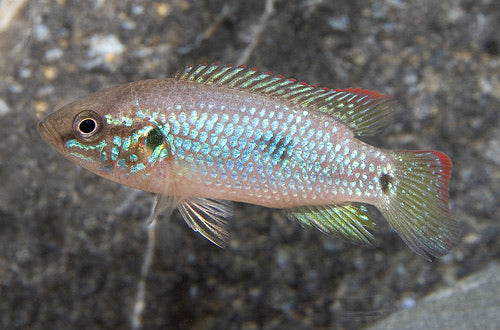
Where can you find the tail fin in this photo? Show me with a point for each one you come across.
(417, 202)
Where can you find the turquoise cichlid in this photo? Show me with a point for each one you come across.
(217, 133)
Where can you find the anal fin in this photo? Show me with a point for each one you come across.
(348, 221)
(207, 217)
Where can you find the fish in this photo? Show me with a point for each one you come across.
(216, 134)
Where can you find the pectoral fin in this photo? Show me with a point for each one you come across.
(348, 221)
(207, 217)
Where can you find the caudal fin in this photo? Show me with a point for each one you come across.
(417, 202)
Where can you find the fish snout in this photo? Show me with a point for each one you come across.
(50, 135)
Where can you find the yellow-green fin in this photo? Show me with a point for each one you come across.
(365, 112)
(348, 221)
(416, 203)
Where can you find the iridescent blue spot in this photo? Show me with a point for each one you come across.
(137, 168)
(213, 138)
(164, 153)
(139, 114)
(177, 142)
(258, 134)
(200, 160)
(259, 167)
(216, 151)
(182, 117)
(165, 129)
(229, 129)
(242, 143)
(74, 143)
(239, 165)
(245, 120)
(203, 169)
(122, 163)
(186, 144)
(133, 157)
(203, 136)
(193, 134)
(249, 132)
(222, 141)
(229, 164)
(219, 127)
(226, 152)
(249, 167)
(244, 177)
(265, 123)
(302, 130)
(185, 129)
(269, 169)
(210, 123)
(193, 117)
(245, 156)
(176, 127)
(126, 143)
(268, 136)
(156, 154)
(190, 158)
(238, 131)
(251, 145)
(114, 153)
(236, 118)
(233, 141)
(236, 153)
(201, 121)
(205, 149)
(196, 146)
(256, 156)
(210, 161)
(117, 140)
(83, 157)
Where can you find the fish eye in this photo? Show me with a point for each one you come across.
(87, 125)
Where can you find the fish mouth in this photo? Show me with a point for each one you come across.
(48, 133)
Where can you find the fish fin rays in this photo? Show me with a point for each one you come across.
(162, 204)
(417, 202)
(348, 221)
(365, 112)
(207, 217)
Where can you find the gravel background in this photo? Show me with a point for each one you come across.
(71, 243)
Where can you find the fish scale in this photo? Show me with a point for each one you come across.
(295, 160)
(216, 133)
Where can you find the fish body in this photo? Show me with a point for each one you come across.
(216, 133)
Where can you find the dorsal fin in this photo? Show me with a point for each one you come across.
(364, 111)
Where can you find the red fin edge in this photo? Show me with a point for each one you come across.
(445, 170)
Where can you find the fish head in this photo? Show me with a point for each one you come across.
(105, 134)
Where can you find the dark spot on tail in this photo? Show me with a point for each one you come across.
(385, 180)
